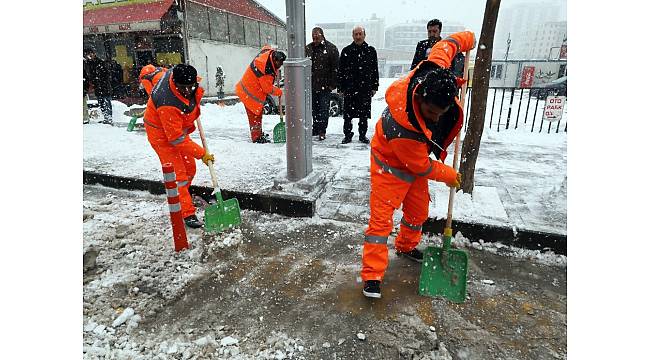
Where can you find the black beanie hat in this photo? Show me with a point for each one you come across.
(184, 74)
(279, 56)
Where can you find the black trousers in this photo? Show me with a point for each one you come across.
(320, 112)
(347, 126)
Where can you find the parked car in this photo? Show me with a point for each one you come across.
(556, 88)
(336, 105)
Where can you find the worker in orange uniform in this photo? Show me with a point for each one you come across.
(256, 84)
(423, 117)
(149, 76)
(173, 107)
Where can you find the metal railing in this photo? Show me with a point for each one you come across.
(520, 118)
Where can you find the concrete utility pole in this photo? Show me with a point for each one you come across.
(297, 92)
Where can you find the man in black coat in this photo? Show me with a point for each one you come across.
(358, 82)
(324, 66)
(422, 50)
(99, 72)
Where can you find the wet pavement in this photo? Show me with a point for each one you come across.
(300, 277)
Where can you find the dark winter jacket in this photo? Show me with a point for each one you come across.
(358, 72)
(99, 72)
(422, 50)
(324, 65)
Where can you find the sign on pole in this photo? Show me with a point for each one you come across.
(527, 77)
(554, 108)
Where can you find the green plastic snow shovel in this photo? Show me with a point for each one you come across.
(134, 119)
(280, 130)
(444, 270)
(225, 214)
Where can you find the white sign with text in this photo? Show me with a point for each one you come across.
(554, 108)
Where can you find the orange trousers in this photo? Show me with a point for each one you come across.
(255, 124)
(185, 169)
(387, 193)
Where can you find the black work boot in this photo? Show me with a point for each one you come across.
(348, 138)
(371, 289)
(364, 139)
(263, 139)
(193, 222)
(415, 255)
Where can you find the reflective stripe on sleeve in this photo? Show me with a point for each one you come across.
(251, 95)
(400, 174)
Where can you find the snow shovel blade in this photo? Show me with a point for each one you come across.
(131, 125)
(225, 214)
(444, 273)
(279, 133)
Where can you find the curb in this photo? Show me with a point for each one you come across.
(293, 207)
(528, 239)
(298, 207)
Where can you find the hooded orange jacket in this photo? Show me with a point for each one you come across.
(401, 148)
(169, 117)
(149, 77)
(257, 82)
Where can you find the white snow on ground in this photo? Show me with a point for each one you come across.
(136, 262)
(516, 167)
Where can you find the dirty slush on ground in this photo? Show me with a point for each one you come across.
(280, 288)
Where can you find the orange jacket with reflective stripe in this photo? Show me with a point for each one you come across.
(257, 82)
(400, 144)
(169, 117)
(149, 77)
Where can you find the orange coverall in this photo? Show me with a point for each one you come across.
(400, 166)
(168, 121)
(255, 85)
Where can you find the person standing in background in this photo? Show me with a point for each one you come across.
(358, 82)
(324, 67)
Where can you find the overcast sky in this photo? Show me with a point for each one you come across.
(466, 12)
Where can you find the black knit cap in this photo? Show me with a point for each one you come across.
(183, 74)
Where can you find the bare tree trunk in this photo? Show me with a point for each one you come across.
(480, 85)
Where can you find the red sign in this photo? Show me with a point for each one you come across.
(527, 77)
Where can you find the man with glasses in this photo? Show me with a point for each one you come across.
(172, 108)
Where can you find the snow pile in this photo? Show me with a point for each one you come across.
(540, 256)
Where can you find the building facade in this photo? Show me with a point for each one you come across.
(405, 36)
(220, 33)
(521, 23)
(340, 33)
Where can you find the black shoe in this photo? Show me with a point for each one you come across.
(263, 139)
(193, 222)
(346, 140)
(364, 139)
(371, 289)
(321, 136)
(87, 122)
(107, 122)
(415, 255)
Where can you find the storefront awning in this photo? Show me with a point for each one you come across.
(141, 16)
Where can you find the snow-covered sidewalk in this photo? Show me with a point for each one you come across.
(520, 176)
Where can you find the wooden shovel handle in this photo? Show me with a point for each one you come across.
(452, 191)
